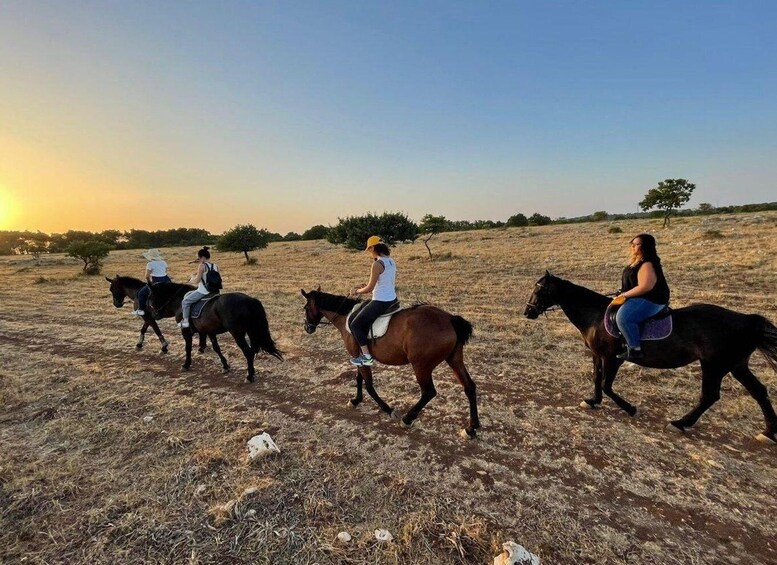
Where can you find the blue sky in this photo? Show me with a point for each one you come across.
(289, 114)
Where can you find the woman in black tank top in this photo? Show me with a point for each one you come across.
(644, 292)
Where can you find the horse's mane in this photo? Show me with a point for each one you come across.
(130, 282)
(581, 293)
(165, 290)
(333, 302)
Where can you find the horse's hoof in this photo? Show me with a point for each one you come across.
(250, 378)
(200, 351)
(671, 427)
(395, 415)
(225, 370)
(405, 425)
(138, 346)
(635, 413)
(352, 404)
(763, 438)
(588, 406)
(185, 367)
(468, 433)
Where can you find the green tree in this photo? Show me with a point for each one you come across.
(538, 219)
(518, 221)
(354, 231)
(316, 232)
(669, 195)
(242, 239)
(705, 208)
(430, 226)
(91, 252)
(292, 236)
(599, 216)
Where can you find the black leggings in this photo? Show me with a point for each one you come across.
(361, 324)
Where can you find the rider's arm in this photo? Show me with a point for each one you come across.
(377, 269)
(195, 280)
(646, 280)
(148, 275)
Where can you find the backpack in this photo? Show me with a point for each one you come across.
(212, 279)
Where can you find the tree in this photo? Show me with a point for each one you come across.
(430, 226)
(292, 236)
(669, 195)
(354, 231)
(518, 221)
(316, 232)
(706, 208)
(91, 252)
(242, 239)
(599, 216)
(538, 219)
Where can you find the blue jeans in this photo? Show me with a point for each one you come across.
(633, 312)
(146, 290)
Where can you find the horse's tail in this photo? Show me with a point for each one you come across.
(462, 328)
(767, 342)
(259, 331)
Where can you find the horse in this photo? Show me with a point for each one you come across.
(233, 312)
(423, 336)
(128, 287)
(721, 340)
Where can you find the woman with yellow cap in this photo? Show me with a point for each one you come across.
(156, 271)
(382, 285)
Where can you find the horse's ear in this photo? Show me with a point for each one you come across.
(547, 273)
(318, 289)
(305, 294)
(109, 280)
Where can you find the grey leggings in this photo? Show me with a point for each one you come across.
(189, 299)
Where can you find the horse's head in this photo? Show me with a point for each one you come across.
(117, 291)
(542, 297)
(313, 313)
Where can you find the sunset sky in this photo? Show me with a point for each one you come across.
(287, 114)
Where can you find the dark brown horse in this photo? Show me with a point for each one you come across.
(423, 336)
(128, 287)
(721, 340)
(233, 312)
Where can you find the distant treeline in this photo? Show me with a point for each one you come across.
(33, 243)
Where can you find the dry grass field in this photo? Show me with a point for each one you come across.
(112, 455)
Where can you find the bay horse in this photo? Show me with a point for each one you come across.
(720, 339)
(423, 336)
(233, 312)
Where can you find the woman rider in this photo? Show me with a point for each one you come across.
(156, 272)
(198, 278)
(382, 285)
(644, 293)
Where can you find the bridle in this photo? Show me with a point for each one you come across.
(538, 306)
(310, 327)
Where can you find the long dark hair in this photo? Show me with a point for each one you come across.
(204, 252)
(382, 249)
(648, 249)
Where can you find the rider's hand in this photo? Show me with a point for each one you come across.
(618, 300)
(354, 291)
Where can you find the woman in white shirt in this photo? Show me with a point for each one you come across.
(382, 285)
(156, 272)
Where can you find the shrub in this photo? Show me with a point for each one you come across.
(354, 231)
(615, 229)
(713, 234)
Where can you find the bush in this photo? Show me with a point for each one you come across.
(316, 232)
(538, 219)
(713, 234)
(91, 253)
(615, 229)
(354, 231)
(519, 220)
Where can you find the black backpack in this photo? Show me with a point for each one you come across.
(212, 279)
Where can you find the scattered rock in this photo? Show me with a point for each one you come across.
(344, 537)
(383, 535)
(515, 554)
(147, 419)
(261, 445)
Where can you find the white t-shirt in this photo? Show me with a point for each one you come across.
(201, 287)
(157, 267)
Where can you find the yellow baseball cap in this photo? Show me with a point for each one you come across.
(373, 240)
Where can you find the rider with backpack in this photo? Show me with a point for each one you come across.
(208, 281)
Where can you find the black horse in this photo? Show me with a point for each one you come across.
(128, 287)
(721, 340)
(234, 312)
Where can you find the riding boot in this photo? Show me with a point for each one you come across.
(631, 354)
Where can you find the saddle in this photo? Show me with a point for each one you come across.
(198, 306)
(380, 325)
(658, 326)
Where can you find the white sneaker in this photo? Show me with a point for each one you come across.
(140, 313)
(183, 324)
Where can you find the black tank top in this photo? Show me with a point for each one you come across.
(659, 294)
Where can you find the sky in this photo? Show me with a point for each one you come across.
(286, 114)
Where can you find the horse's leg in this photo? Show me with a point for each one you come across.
(596, 400)
(187, 337)
(215, 342)
(424, 377)
(240, 339)
(367, 373)
(761, 395)
(203, 343)
(610, 368)
(355, 401)
(711, 377)
(456, 362)
(142, 336)
(158, 332)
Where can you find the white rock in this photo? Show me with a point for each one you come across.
(261, 445)
(383, 535)
(147, 419)
(199, 490)
(344, 537)
(250, 490)
(515, 554)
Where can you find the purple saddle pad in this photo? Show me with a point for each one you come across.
(652, 329)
